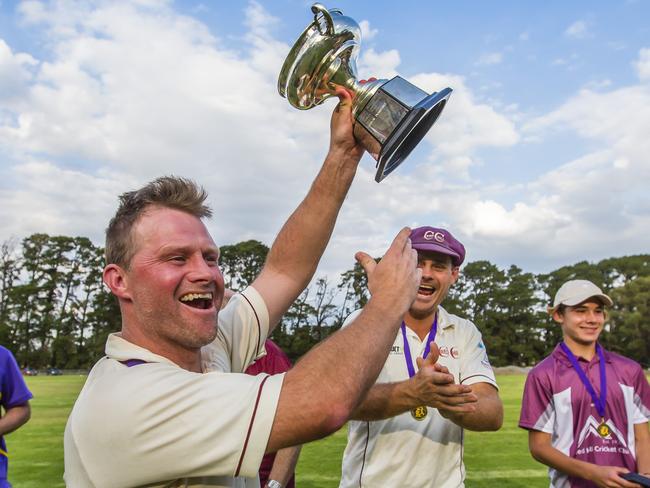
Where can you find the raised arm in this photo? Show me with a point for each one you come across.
(322, 390)
(297, 249)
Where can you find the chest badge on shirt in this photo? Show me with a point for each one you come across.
(419, 413)
(446, 352)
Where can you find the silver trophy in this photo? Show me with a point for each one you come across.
(391, 116)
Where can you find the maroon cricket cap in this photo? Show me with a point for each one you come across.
(438, 240)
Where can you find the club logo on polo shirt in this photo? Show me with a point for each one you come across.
(438, 236)
(445, 352)
(486, 361)
(615, 439)
(395, 349)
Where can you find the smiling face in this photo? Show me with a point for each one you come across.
(438, 274)
(581, 324)
(172, 291)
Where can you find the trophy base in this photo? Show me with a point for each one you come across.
(410, 132)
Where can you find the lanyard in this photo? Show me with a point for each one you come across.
(407, 349)
(598, 402)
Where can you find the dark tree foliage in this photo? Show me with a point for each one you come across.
(241, 263)
(629, 324)
(55, 310)
(50, 301)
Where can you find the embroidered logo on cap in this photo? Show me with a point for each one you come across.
(438, 236)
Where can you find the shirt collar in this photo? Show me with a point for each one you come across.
(120, 349)
(558, 353)
(445, 321)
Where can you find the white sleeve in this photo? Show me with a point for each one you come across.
(243, 328)
(475, 364)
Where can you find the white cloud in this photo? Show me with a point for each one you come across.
(378, 64)
(126, 92)
(643, 64)
(50, 199)
(489, 59)
(578, 30)
(597, 202)
(145, 91)
(465, 125)
(15, 71)
(131, 91)
(487, 218)
(598, 84)
(367, 32)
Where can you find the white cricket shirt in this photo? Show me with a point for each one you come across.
(403, 451)
(155, 424)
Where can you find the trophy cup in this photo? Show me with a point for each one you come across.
(390, 116)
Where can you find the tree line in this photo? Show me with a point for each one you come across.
(56, 312)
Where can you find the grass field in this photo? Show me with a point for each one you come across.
(499, 460)
(492, 459)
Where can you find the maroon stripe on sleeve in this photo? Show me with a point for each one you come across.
(257, 319)
(250, 425)
(491, 381)
(365, 452)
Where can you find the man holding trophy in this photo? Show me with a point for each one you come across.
(169, 404)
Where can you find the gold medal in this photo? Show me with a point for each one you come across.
(419, 413)
(603, 429)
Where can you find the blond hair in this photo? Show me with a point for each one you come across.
(167, 191)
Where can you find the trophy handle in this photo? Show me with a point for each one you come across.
(321, 13)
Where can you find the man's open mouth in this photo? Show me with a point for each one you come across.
(426, 289)
(197, 300)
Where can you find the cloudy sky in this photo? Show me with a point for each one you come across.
(540, 159)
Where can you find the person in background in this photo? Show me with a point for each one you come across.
(436, 381)
(586, 409)
(278, 468)
(15, 411)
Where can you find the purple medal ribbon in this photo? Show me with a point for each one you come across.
(598, 402)
(407, 349)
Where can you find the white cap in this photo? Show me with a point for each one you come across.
(577, 291)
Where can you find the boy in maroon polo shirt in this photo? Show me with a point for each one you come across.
(587, 409)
